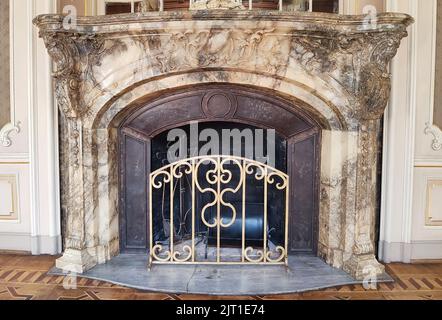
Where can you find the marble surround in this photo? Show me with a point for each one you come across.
(336, 67)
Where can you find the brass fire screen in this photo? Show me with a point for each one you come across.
(218, 179)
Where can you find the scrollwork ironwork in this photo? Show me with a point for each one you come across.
(217, 180)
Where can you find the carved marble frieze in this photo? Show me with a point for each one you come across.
(341, 51)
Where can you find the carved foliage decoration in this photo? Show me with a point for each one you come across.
(431, 129)
(374, 91)
(74, 56)
(314, 53)
(375, 83)
(358, 61)
(366, 188)
(220, 48)
(367, 76)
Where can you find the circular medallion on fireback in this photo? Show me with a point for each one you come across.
(219, 105)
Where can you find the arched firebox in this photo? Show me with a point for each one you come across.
(144, 149)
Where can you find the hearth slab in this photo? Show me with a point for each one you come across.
(306, 273)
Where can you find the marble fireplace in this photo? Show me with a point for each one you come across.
(333, 69)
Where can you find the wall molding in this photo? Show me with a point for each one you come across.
(24, 241)
(13, 180)
(395, 251)
(416, 250)
(36, 158)
(429, 250)
(5, 132)
(430, 128)
(14, 158)
(410, 138)
(436, 133)
(13, 125)
(399, 145)
(427, 163)
(431, 221)
(45, 206)
(46, 245)
(15, 241)
(33, 132)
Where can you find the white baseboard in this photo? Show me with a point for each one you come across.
(407, 252)
(15, 242)
(394, 252)
(46, 245)
(35, 244)
(426, 250)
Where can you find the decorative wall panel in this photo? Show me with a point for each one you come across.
(5, 102)
(8, 123)
(438, 76)
(434, 203)
(427, 210)
(8, 197)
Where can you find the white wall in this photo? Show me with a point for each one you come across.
(28, 167)
(412, 168)
(427, 206)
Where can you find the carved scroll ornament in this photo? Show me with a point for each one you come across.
(368, 76)
(357, 60)
(74, 56)
(375, 78)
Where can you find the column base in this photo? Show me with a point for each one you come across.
(362, 267)
(78, 261)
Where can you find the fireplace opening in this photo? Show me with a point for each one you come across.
(227, 139)
(271, 175)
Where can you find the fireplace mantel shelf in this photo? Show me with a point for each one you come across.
(313, 21)
(332, 67)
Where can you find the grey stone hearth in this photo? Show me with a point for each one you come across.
(305, 273)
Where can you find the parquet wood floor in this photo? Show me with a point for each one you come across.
(25, 278)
